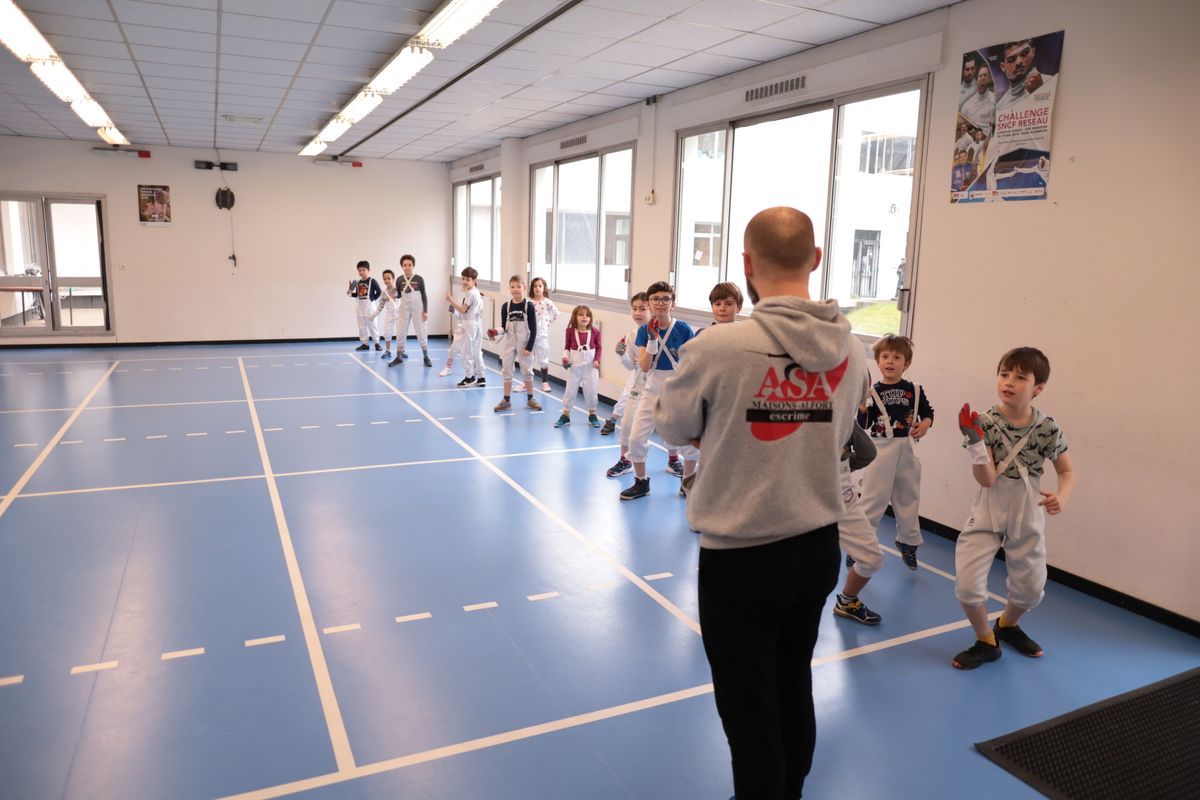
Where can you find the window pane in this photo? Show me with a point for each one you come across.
(22, 273)
(497, 262)
(872, 198)
(783, 162)
(77, 272)
(481, 229)
(462, 258)
(615, 223)
(701, 196)
(541, 222)
(578, 189)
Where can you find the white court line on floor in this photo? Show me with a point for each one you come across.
(123, 487)
(533, 598)
(26, 444)
(196, 434)
(115, 439)
(41, 457)
(174, 654)
(309, 427)
(269, 430)
(167, 405)
(379, 422)
(886, 644)
(12, 680)
(72, 441)
(414, 617)
(556, 450)
(34, 410)
(357, 468)
(338, 737)
(481, 606)
(85, 668)
(942, 573)
(414, 420)
(628, 574)
(659, 576)
(228, 357)
(174, 369)
(158, 436)
(237, 431)
(344, 425)
(265, 640)
(353, 626)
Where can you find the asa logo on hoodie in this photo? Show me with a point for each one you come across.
(786, 401)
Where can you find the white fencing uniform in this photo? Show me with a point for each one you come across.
(473, 334)
(365, 293)
(547, 313)
(629, 362)
(894, 477)
(1006, 515)
(642, 427)
(458, 338)
(515, 339)
(855, 531)
(582, 374)
(413, 305)
(387, 308)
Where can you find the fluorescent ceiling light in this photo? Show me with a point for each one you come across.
(111, 135)
(407, 63)
(91, 113)
(20, 36)
(333, 130)
(58, 79)
(454, 19)
(313, 148)
(363, 103)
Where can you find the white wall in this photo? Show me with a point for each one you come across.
(1103, 275)
(298, 228)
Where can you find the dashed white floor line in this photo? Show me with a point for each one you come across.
(26, 444)
(379, 422)
(353, 626)
(12, 680)
(414, 617)
(658, 576)
(268, 430)
(149, 369)
(196, 434)
(344, 425)
(204, 367)
(230, 433)
(265, 640)
(115, 439)
(481, 606)
(158, 436)
(174, 369)
(480, 416)
(444, 419)
(174, 654)
(227, 367)
(309, 427)
(533, 598)
(72, 441)
(414, 420)
(85, 668)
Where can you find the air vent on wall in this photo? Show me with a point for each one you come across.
(575, 142)
(775, 89)
(476, 168)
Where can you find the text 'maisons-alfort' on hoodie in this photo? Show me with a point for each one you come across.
(773, 400)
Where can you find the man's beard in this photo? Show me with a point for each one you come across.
(750, 290)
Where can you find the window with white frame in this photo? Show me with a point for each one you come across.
(859, 152)
(581, 223)
(477, 227)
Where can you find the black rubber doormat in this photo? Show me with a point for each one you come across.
(1142, 744)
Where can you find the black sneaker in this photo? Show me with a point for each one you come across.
(856, 610)
(1015, 638)
(618, 469)
(428, 363)
(363, 346)
(976, 655)
(609, 427)
(468, 381)
(675, 467)
(908, 554)
(386, 354)
(640, 488)
(378, 346)
(481, 381)
(849, 561)
(396, 361)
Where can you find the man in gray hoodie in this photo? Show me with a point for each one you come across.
(772, 402)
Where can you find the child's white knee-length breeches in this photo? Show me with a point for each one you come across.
(411, 310)
(458, 345)
(388, 312)
(894, 477)
(580, 376)
(511, 351)
(1006, 515)
(642, 427)
(541, 349)
(473, 348)
(855, 531)
(364, 310)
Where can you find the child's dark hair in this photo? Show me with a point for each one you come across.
(387, 272)
(890, 343)
(575, 312)
(407, 257)
(516, 279)
(661, 286)
(545, 286)
(726, 291)
(364, 264)
(639, 297)
(470, 272)
(1026, 359)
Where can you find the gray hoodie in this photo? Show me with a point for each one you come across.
(773, 401)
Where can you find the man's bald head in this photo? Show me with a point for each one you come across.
(780, 242)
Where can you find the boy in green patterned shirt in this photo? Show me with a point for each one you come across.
(1009, 445)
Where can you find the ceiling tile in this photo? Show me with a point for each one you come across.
(757, 47)
(547, 94)
(538, 62)
(263, 66)
(711, 64)
(578, 83)
(352, 38)
(260, 48)
(88, 9)
(159, 56)
(343, 57)
(275, 30)
(76, 26)
(563, 43)
(614, 24)
(170, 38)
(672, 33)
(670, 77)
(66, 45)
(873, 11)
(136, 12)
(253, 78)
(595, 68)
(365, 16)
(100, 63)
(302, 10)
(815, 27)
(492, 33)
(523, 12)
(738, 15)
(643, 54)
(663, 8)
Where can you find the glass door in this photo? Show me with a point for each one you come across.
(77, 256)
(23, 276)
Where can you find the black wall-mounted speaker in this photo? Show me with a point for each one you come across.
(225, 198)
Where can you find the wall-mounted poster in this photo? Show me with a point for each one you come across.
(154, 205)
(1002, 128)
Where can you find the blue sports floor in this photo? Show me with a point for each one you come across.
(284, 570)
